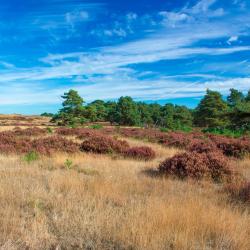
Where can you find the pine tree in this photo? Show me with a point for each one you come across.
(72, 111)
(211, 111)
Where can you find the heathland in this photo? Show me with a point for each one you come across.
(115, 187)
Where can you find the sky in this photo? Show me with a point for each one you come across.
(152, 50)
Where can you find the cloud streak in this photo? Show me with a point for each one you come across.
(200, 31)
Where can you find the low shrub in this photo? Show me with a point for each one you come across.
(10, 144)
(202, 146)
(212, 165)
(141, 153)
(96, 126)
(237, 148)
(33, 131)
(104, 145)
(49, 145)
(68, 164)
(31, 156)
(49, 130)
(236, 133)
(81, 133)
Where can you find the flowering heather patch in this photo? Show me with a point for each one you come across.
(202, 146)
(152, 135)
(212, 165)
(237, 148)
(53, 144)
(81, 133)
(141, 153)
(195, 141)
(33, 131)
(67, 131)
(10, 144)
(104, 144)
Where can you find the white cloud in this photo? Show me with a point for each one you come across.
(76, 16)
(106, 72)
(232, 39)
(202, 6)
(7, 65)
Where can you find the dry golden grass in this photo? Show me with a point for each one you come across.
(105, 202)
(7, 122)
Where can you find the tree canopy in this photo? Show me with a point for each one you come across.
(212, 112)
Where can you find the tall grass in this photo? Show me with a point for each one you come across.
(45, 206)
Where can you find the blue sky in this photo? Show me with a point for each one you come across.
(152, 50)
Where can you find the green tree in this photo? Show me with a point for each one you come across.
(155, 113)
(127, 112)
(145, 114)
(111, 109)
(101, 111)
(72, 111)
(90, 113)
(168, 111)
(182, 117)
(211, 111)
(235, 97)
(247, 98)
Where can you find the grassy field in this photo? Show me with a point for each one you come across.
(89, 201)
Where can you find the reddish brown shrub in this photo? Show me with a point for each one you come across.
(103, 145)
(33, 131)
(202, 146)
(54, 144)
(81, 133)
(141, 153)
(11, 144)
(210, 165)
(237, 148)
(152, 135)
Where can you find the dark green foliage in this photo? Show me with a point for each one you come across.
(235, 97)
(225, 131)
(45, 114)
(211, 111)
(155, 112)
(127, 112)
(72, 110)
(96, 126)
(176, 117)
(145, 114)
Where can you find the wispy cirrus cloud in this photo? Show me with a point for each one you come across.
(203, 31)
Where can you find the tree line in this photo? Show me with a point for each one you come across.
(212, 112)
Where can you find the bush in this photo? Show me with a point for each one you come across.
(237, 148)
(212, 165)
(54, 144)
(164, 130)
(81, 133)
(68, 164)
(96, 126)
(225, 131)
(49, 130)
(34, 131)
(10, 144)
(202, 146)
(104, 145)
(31, 156)
(141, 153)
